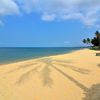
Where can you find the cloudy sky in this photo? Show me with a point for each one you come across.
(47, 22)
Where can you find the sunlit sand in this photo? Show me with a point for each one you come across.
(73, 76)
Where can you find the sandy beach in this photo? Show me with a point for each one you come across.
(72, 76)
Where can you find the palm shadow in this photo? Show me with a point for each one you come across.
(79, 70)
(66, 64)
(51, 63)
(26, 75)
(70, 78)
(93, 93)
(22, 67)
(98, 65)
(46, 71)
(45, 76)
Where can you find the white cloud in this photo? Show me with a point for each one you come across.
(8, 7)
(98, 27)
(86, 11)
(28, 5)
(48, 17)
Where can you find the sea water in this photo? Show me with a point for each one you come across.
(9, 55)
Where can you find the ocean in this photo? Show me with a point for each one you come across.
(9, 55)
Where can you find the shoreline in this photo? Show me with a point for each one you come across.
(23, 60)
(59, 77)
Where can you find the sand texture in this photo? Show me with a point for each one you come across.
(73, 76)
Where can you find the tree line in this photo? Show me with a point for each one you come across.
(95, 41)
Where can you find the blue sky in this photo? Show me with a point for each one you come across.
(47, 23)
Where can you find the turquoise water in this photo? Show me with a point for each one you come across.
(8, 55)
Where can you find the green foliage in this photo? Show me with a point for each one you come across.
(84, 41)
(88, 40)
(95, 48)
(95, 41)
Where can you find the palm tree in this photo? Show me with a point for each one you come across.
(98, 37)
(84, 41)
(88, 41)
(95, 41)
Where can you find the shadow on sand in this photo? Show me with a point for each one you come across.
(98, 65)
(45, 73)
(93, 93)
(46, 76)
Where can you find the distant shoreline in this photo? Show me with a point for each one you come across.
(18, 59)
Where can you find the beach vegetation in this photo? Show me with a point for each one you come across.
(94, 43)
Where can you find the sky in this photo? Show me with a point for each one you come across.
(48, 23)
